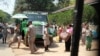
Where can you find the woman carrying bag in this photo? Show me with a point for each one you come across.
(66, 35)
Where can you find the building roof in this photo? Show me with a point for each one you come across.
(63, 9)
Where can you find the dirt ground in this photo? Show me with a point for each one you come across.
(56, 49)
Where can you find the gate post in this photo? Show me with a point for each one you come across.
(77, 27)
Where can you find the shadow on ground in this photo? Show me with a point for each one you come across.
(37, 53)
(2, 46)
(94, 49)
(41, 45)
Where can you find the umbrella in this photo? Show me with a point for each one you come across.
(19, 16)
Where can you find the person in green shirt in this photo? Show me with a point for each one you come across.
(51, 32)
(23, 25)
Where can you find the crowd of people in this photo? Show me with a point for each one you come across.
(64, 32)
(87, 35)
(3, 32)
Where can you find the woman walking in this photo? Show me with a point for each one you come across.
(83, 37)
(17, 35)
(69, 31)
(88, 38)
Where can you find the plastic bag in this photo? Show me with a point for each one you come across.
(56, 38)
(63, 35)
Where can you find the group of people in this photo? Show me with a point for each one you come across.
(65, 33)
(30, 33)
(49, 32)
(3, 32)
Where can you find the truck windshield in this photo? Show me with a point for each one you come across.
(35, 17)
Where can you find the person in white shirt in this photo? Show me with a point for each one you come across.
(31, 34)
(46, 38)
(83, 35)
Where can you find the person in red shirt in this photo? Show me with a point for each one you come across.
(60, 29)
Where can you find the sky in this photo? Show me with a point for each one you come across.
(7, 6)
(55, 2)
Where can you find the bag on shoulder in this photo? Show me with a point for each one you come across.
(63, 35)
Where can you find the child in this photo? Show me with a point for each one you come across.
(88, 38)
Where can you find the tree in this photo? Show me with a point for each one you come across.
(41, 5)
(34, 5)
(20, 6)
(3, 16)
(89, 15)
(62, 17)
(63, 3)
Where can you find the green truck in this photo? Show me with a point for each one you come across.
(39, 20)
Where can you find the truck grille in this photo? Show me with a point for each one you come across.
(39, 29)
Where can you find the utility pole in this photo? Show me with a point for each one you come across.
(77, 27)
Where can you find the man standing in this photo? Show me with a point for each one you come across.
(31, 34)
(46, 38)
(4, 32)
(23, 25)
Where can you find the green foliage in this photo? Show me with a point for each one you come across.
(63, 3)
(89, 14)
(61, 17)
(34, 5)
(72, 2)
(4, 16)
(21, 5)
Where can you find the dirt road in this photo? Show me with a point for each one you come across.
(56, 49)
